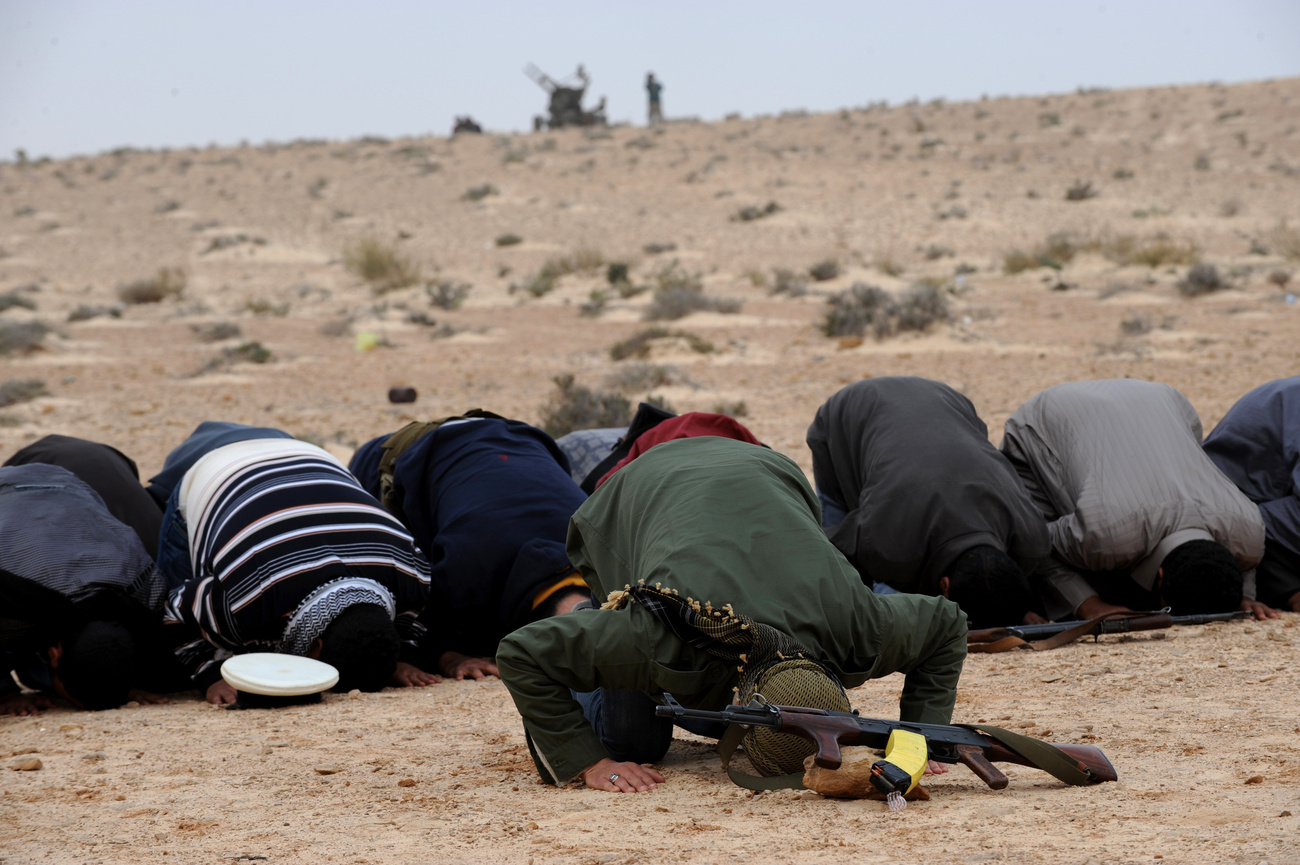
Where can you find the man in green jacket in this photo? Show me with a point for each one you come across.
(718, 573)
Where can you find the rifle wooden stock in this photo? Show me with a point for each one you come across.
(1088, 757)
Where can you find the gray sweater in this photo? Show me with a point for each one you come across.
(911, 461)
(1117, 468)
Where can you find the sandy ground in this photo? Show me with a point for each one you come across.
(1190, 718)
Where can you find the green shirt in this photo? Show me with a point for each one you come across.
(729, 523)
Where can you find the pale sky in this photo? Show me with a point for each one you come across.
(81, 77)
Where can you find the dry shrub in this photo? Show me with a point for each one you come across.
(1152, 252)
(751, 213)
(574, 407)
(888, 265)
(216, 332)
(868, 307)
(170, 282)
(508, 239)
(824, 270)
(617, 273)
(678, 294)
(1286, 241)
(642, 376)
(478, 193)
(736, 409)
(21, 390)
(787, 282)
(1202, 279)
(638, 346)
(12, 299)
(447, 294)
(1056, 251)
(85, 312)
(1081, 191)
(380, 265)
(21, 336)
(1280, 278)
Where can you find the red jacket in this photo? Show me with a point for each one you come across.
(690, 425)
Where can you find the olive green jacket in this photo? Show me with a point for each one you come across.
(729, 523)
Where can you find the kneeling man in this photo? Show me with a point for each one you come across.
(721, 585)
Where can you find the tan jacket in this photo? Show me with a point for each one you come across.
(1117, 468)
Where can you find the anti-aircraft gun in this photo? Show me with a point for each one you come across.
(565, 106)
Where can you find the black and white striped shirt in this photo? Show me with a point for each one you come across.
(281, 539)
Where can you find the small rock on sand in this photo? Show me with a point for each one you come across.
(26, 764)
(327, 770)
(406, 782)
(1255, 779)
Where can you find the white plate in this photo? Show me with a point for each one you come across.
(274, 675)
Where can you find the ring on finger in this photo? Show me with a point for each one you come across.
(613, 776)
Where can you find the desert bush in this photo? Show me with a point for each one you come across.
(658, 248)
(934, 252)
(1201, 279)
(1056, 251)
(1286, 241)
(679, 293)
(19, 390)
(380, 265)
(868, 307)
(787, 282)
(542, 283)
(1152, 252)
(641, 377)
(447, 294)
(508, 240)
(478, 193)
(250, 352)
(1122, 174)
(920, 306)
(1081, 191)
(574, 407)
(888, 265)
(1136, 325)
(335, 327)
(1280, 278)
(12, 299)
(21, 336)
(758, 278)
(170, 282)
(260, 306)
(216, 331)
(85, 312)
(627, 290)
(595, 303)
(824, 270)
(736, 409)
(751, 213)
(616, 273)
(857, 308)
(638, 346)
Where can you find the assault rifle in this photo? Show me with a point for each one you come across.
(1054, 634)
(1079, 765)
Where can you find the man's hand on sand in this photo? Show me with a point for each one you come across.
(410, 676)
(24, 704)
(458, 666)
(1258, 610)
(1032, 618)
(621, 777)
(146, 698)
(935, 768)
(221, 694)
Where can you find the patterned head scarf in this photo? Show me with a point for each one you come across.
(319, 609)
(771, 663)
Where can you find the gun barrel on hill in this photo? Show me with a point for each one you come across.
(977, 747)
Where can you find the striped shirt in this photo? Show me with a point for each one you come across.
(273, 525)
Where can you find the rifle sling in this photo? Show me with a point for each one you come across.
(1055, 641)
(1042, 755)
(727, 747)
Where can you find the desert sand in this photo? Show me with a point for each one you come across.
(1203, 724)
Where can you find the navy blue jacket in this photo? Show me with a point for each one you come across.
(1257, 445)
(488, 501)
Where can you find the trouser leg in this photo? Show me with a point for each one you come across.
(1277, 578)
(174, 545)
(627, 725)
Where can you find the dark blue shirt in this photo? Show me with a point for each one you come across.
(1257, 445)
(489, 501)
